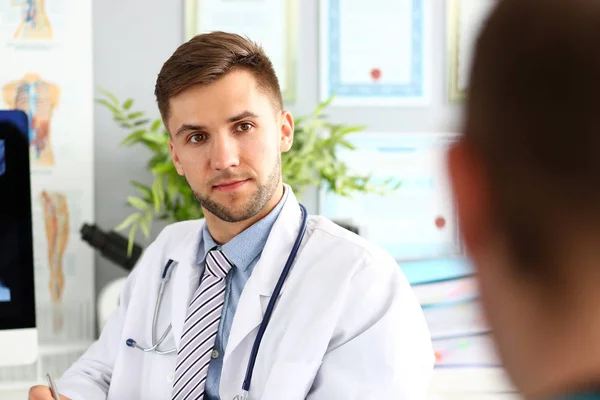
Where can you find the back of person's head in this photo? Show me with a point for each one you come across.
(526, 176)
(207, 57)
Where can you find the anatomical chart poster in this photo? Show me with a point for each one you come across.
(46, 71)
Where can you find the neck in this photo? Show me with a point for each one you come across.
(566, 353)
(222, 231)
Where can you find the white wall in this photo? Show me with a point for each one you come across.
(132, 38)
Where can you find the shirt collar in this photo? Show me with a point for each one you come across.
(248, 244)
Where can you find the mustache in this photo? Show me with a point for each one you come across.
(228, 176)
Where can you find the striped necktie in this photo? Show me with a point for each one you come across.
(200, 329)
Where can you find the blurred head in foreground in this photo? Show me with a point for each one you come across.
(526, 178)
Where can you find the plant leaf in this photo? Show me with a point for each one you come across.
(145, 222)
(158, 193)
(137, 203)
(156, 125)
(110, 106)
(128, 103)
(322, 106)
(128, 221)
(163, 168)
(144, 190)
(141, 122)
(351, 129)
(131, 241)
(172, 187)
(133, 137)
(135, 115)
(153, 138)
(111, 96)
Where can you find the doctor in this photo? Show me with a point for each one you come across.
(346, 324)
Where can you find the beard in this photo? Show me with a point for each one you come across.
(253, 206)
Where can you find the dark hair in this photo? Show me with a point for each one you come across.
(533, 116)
(207, 57)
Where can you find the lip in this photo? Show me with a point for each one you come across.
(229, 185)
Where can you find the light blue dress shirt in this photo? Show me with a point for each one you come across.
(243, 251)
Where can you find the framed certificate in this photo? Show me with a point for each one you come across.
(375, 53)
(414, 222)
(271, 23)
(465, 19)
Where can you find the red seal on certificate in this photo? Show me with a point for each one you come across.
(440, 222)
(375, 74)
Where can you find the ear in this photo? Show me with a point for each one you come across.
(287, 131)
(176, 161)
(471, 194)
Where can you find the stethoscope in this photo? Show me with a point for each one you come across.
(166, 275)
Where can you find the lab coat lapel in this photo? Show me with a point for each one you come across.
(185, 280)
(257, 292)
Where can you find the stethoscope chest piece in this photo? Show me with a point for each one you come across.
(242, 396)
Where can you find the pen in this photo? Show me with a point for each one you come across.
(52, 387)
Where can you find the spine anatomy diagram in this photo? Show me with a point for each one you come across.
(37, 98)
(34, 23)
(56, 218)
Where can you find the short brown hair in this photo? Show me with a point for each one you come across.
(207, 57)
(533, 116)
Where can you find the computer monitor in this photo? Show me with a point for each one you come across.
(18, 332)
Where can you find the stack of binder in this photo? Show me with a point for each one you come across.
(447, 292)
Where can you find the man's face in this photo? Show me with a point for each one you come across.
(227, 139)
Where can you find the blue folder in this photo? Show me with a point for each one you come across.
(421, 272)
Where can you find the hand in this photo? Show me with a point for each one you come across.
(41, 392)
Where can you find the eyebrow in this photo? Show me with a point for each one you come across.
(191, 127)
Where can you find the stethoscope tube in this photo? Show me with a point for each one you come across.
(132, 343)
(271, 305)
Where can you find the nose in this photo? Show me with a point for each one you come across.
(224, 153)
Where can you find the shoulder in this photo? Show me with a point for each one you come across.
(169, 239)
(173, 234)
(350, 249)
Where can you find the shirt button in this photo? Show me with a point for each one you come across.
(215, 354)
(170, 378)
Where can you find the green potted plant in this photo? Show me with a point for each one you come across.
(312, 161)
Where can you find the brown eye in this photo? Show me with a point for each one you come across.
(244, 127)
(197, 138)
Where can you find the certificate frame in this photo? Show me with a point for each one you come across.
(456, 39)
(455, 94)
(386, 142)
(415, 93)
(289, 93)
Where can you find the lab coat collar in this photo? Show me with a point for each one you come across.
(260, 285)
(187, 250)
(185, 278)
(279, 245)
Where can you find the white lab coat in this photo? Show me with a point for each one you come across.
(347, 324)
